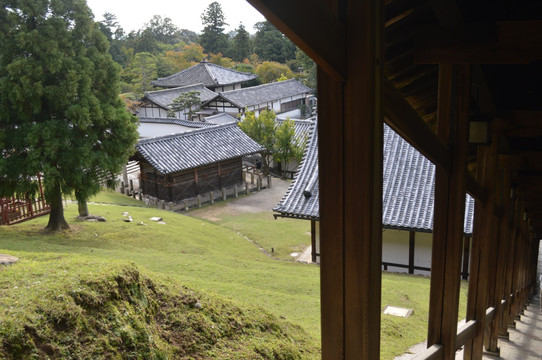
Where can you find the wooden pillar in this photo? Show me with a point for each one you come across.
(466, 258)
(313, 241)
(509, 216)
(411, 251)
(502, 260)
(483, 240)
(453, 99)
(196, 181)
(350, 134)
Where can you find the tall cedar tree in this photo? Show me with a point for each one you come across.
(213, 39)
(60, 113)
(241, 44)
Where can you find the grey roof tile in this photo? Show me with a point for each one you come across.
(302, 197)
(408, 188)
(220, 118)
(164, 98)
(178, 152)
(265, 93)
(205, 73)
(303, 128)
(175, 121)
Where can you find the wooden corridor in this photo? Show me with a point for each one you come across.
(460, 81)
(525, 340)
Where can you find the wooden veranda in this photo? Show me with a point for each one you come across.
(436, 72)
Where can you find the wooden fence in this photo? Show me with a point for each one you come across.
(15, 210)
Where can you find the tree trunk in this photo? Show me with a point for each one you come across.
(82, 206)
(56, 217)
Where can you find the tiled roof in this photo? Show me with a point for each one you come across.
(408, 188)
(302, 198)
(265, 93)
(220, 118)
(205, 73)
(178, 152)
(164, 98)
(175, 121)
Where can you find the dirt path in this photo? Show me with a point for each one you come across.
(261, 201)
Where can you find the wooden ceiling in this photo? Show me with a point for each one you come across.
(503, 42)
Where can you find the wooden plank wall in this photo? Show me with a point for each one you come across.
(192, 182)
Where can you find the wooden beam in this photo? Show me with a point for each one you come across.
(530, 161)
(313, 26)
(400, 116)
(476, 190)
(454, 86)
(514, 42)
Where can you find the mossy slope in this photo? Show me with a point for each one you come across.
(72, 307)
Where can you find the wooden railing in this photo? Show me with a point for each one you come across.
(15, 210)
(465, 333)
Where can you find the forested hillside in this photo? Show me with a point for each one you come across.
(161, 48)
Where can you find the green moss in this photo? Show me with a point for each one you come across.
(110, 310)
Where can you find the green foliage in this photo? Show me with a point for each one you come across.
(240, 44)
(288, 147)
(308, 73)
(262, 130)
(271, 45)
(279, 141)
(163, 30)
(60, 111)
(142, 71)
(186, 101)
(220, 60)
(213, 39)
(270, 71)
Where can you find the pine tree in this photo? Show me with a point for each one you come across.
(60, 113)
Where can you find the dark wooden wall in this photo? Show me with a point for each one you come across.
(190, 183)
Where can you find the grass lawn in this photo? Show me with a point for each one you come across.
(284, 236)
(215, 260)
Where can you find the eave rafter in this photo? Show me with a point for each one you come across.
(513, 42)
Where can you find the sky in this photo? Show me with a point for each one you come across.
(185, 14)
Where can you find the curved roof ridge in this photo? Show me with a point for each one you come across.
(185, 134)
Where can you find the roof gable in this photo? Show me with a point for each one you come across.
(179, 152)
(208, 74)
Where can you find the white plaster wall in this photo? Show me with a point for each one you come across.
(395, 250)
(147, 130)
(294, 114)
(156, 112)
